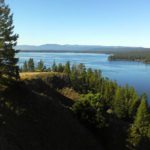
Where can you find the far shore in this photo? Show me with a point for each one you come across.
(65, 51)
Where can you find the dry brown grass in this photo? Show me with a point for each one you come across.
(35, 75)
(66, 91)
(70, 93)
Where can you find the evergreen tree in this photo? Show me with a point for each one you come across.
(31, 66)
(54, 67)
(82, 79)
(40, 66)
(25, 67)
(8, 62)
(90, 109)
(60, 67)
(139, 138)
(67, 68)
(120, 107)
(89, 78)
(133, 102)
(74, 76)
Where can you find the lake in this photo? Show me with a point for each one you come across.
(135, 74)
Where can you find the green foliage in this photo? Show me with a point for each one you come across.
(8, 62)
(126, 102)
(60, 68)
(139, 137)
(90, 109)
(25, 67)
(31, 66)
(67, 68)
(33, 117)
(40, 66)
(142, 56)
(105, 105)
(54, 67)
(120, 106)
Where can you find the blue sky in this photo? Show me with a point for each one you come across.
(92, 22)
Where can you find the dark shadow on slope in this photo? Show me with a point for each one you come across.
(33, 117)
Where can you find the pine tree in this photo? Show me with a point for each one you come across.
(40, 66)
(74, 76)
(31, 66)
(25, 67)
(139, 137)
(60, 67)
(67, 68)
(8, 62)
(133, 102)
(120, 107)
(54, 67)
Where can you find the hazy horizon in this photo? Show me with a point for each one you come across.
(44, 44)
(86, 22)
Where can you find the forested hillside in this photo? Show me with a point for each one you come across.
(116, 115)
(139, 56)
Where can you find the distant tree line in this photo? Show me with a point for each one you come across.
(139, 56)
(29, 66)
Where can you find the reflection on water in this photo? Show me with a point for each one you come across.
(133, 73)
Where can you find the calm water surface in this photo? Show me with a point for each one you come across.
(124, 72)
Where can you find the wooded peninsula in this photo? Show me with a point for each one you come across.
(138, 56)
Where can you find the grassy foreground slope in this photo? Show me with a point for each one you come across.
(33, 116)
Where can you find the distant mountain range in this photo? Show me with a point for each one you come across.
(77, 48)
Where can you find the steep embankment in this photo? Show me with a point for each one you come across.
(36, 117)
